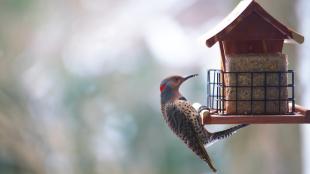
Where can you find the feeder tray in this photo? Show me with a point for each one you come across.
(301, 115)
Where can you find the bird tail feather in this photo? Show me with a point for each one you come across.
(216, 136)
(205, 156)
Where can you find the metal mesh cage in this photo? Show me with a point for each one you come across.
(251, 92)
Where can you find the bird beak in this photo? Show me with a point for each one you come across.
(190, 76)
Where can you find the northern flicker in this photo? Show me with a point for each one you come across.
(184, 120)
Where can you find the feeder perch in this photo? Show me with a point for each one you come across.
(254, 84)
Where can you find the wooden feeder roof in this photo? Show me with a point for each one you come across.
(242, 17)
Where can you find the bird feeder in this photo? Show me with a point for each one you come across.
(254, 84)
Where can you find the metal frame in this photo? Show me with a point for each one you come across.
(216, 91)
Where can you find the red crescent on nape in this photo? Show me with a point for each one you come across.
(162, 87)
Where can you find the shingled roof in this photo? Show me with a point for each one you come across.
(237, 17)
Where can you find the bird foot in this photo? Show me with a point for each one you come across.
(203, 108)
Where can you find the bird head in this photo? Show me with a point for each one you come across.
(173, 82)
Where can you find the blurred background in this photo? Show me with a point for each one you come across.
(79, 88)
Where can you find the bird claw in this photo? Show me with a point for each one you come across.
(202, 108)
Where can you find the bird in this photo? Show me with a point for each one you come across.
(184, 120)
